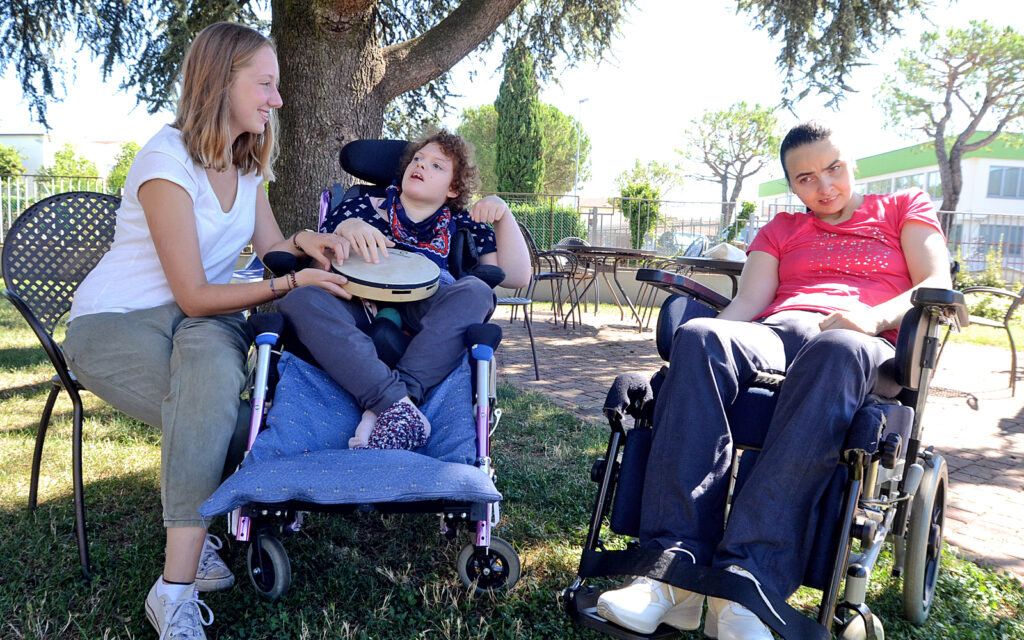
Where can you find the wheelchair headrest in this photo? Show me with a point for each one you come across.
(375, 161)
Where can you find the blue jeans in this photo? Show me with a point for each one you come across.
(769, 532)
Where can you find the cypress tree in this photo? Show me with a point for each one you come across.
(519, 153)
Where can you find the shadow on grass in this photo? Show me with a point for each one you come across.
(18, 357)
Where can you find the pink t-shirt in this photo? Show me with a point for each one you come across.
(856, 264)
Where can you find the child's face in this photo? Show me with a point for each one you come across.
(428, 178)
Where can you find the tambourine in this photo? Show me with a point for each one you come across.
(403, 276)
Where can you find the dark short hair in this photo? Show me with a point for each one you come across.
(798, 136)
(465, 174)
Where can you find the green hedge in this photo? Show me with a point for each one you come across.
(549, 222)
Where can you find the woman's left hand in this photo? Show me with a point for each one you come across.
(489, 209)
(318, 245)
(863, 321)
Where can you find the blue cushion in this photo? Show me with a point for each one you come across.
(304, 454)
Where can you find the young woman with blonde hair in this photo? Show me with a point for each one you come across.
(156, 329)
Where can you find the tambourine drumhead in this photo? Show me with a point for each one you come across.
(402, 276)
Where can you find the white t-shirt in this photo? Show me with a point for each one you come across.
(129, 276)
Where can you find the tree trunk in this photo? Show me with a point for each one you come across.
(726, 214)
(330, 66)
(952, 180)
(336, 80)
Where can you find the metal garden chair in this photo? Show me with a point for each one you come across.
(47, 253)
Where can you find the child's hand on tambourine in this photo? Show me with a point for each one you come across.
(365, 239)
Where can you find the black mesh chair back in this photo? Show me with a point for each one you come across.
(52, 246)
(47, 253)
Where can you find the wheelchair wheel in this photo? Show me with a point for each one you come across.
(924, 542)
(854, 629)
(498, 571)
(269, 568)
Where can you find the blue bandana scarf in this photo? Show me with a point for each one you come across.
(431, 237)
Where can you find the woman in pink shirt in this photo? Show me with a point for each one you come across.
(820, 299)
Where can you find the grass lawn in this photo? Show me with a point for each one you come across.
(360, 576)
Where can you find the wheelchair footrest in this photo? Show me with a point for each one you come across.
(582, 606)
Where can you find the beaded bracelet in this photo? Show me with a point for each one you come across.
(273, 291)
(291, 277)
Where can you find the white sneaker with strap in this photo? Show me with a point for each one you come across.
(645, 603)
(180, 619)
(213, 573)
(733, 621)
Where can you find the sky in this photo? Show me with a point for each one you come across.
(674, 60)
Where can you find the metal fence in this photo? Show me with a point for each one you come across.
(17, 193)
(976, 238)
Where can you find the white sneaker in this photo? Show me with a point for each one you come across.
(180, 619)
(733, 621)
(213, 574)
(645, 603)
(729, 620)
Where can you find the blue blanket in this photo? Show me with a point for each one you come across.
(304, 454)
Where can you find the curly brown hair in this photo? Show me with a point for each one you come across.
(465, 174)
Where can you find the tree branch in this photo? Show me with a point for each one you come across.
(417, 61)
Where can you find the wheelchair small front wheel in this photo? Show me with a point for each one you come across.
(497, 570)
(269, 568)
(924, 542)
(854, 629)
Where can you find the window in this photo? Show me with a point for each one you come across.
(878, 186)
(905, 182)
(1005, 182)
(934, 188)
(1009, 237)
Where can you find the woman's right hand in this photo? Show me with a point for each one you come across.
(329, 281)
(366, 239)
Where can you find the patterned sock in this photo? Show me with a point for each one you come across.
(400, 426)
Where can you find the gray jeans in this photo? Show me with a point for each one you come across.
(183, 375)
(330, 328)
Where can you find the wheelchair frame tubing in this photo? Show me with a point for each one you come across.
(605, 487)
(483, 444)
(929, 357)
(830, 597)
(264, 343)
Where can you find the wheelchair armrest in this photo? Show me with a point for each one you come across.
(281, 262)
(948, 302)
(491, 274)
(676, 283)
(916, 345)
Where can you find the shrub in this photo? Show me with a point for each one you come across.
(549, 222)
(980, 304)
(640, 205)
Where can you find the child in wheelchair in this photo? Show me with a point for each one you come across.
(305, 420)
(438, 176)
(821, 299)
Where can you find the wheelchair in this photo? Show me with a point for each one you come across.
(297, 458)
(887, 486)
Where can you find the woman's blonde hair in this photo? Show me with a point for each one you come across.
(204, 109)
